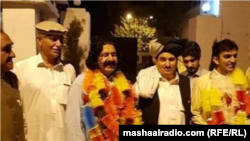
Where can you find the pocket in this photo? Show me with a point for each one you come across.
(62, 95)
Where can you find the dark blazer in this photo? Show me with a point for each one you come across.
(12, 123)
(151, 106)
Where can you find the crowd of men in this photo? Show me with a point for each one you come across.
(42, 99)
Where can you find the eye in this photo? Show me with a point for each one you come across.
(192, 60)
(227, 56)
(7, 49)
(162, 59)
(171, 59)
(105, 55)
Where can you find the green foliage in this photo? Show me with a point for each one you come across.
(72, 53)
(135, 28)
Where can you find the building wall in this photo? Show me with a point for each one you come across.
(21, 30)
(233, 23)
(236, 26)
(204, 30)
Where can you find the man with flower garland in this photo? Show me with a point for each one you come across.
(101, 98)
(218, 97)
(164, 94)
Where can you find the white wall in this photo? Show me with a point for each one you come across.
(236, 26)
(204, 30)
(19, 25)
(233, 23)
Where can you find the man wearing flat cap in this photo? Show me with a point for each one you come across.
(164, 95)
(44, 84)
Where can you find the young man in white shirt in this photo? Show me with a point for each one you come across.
(191, 58)
(214, 99)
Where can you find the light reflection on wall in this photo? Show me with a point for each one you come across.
(214, 7)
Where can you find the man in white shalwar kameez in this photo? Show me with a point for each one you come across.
(44, 84)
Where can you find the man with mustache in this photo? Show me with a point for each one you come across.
(12, 123)
(164, 95)
(191, 57)
(44, 85)
(214, 95)
(101, 98)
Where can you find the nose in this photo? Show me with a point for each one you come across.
(58, 43)
(189, 64)
(12, 54)
(167, 63)
(233, 59)
(110, 57)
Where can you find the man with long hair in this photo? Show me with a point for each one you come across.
(101, 98)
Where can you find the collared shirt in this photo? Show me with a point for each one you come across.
(201, 71)
(221, 82)
(44, 93)
(171, 107)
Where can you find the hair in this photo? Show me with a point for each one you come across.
(192, 49)
(219, 47)
(96, 48)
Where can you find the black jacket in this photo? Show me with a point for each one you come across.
(150, 106)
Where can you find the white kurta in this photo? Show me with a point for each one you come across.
(171, 107)
(44, 93)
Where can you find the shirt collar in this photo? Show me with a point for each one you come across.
(174, 81)
(219, 74)
(41, 64)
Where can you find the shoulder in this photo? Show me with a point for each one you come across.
(11, 75)
(11, 78)
(204, 71)
(184, 73)
(204, 77)
(148, 70)
(79, 79)
(202, 80)
(68, 66)
(26, 62)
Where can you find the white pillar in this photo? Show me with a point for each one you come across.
(204, 30)
(19, 24)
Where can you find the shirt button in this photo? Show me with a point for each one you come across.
(15, 123)
(17, 136)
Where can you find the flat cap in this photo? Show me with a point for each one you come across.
(170, 45)
(51, 28)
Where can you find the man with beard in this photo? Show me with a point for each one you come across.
(214, 95)
(164, 95)
(101, 98)
(12, 123)
(191, 57)
(44, 85)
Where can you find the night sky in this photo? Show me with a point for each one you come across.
(104, 14)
